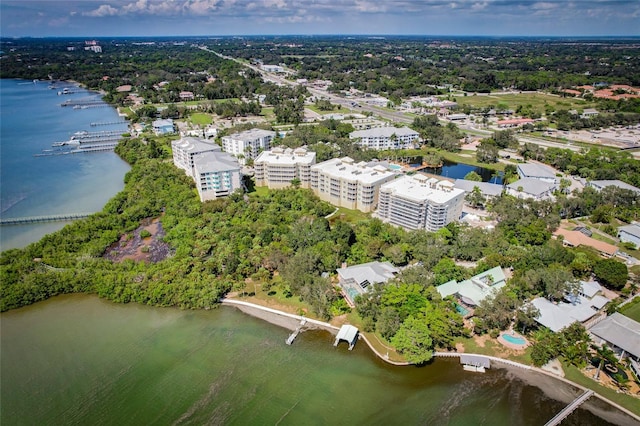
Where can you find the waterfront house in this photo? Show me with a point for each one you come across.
(163, 127)
(358, 279)
(622, 334)
(477, 288)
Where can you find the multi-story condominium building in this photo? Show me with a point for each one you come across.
(344, 183)
(186, 149)
(248, 144)
(420, 202)
(216, 173)
(277, 168)
(380, 138)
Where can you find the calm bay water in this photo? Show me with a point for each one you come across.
(455, 170)
(31, 119)
(81, 360)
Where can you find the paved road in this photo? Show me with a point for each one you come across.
(394, 116)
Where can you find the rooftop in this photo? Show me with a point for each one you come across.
(621, 331)
(345, 168)
(383, 132)
(615, 182)
(373, 272)
(196, 145)
(532, 186)
(577, 238)
(633, 229)
(280, 155)
(252, 134)
(215, 162)
(477, 288)
(558, 316)
(536, 170)
(486, 188)
(420, 188)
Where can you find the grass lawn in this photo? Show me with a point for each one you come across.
(493, 348)
(470, 159)
(632, 310)
(201, 118)
(268, 114)
(351, 216)
(513, 100)
(626, 401)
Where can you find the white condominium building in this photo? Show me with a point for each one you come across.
(344, 183)
(381, 138)
(420, 202)
(248, 144)
(186, 149)
(277, 168)
(216, 173)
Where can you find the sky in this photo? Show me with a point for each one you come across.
(103, 18)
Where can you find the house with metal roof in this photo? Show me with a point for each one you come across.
(489, 190)
(358, 279)
(163, 127)
(537, 171)
(579, 307)
(599, 185)
(474, 290)
(534, 188)
(619, 332)
(630, 234)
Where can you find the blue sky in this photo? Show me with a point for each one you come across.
(249, 17)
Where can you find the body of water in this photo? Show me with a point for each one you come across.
(77, 359)
(31, 120)
(454, 170)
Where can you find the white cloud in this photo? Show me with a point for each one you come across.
(103, 10)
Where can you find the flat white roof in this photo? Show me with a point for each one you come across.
(286, 156)
(250, 135)
(345, 169)
(419, 188)
(192, 144)
(383, 132)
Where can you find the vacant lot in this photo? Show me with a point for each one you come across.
(537, 101)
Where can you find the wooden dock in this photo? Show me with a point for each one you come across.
(297, 331)
(569, 409)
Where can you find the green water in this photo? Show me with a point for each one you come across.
(81, 360)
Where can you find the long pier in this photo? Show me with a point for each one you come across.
(569, 409)
(83, 103)
(41, 219)
(108, 123)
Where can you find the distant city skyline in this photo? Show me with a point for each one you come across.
(100, 18)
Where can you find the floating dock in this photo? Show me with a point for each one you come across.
(475, 363)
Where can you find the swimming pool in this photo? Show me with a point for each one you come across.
(516, 340)
(395, 167)
(462, 310)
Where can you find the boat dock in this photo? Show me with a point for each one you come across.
(108, 123)
(41, 219)
(569, 409)
(297, 331)
(84, 103)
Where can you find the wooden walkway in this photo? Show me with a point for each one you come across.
(569, 409)
(293, 335)
(41, 219)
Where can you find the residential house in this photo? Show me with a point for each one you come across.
(474, 290)
(537, 171)
(358, 279)
(420, 202)
(622, 334)
(577, 238)
(163, 127)
(599, 185)
(531, 188)
(488, 190)
(630, 234)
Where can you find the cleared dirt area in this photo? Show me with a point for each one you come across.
(141, 246)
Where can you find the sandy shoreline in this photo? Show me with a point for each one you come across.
(543, 379)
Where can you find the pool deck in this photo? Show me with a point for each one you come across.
(512, 345)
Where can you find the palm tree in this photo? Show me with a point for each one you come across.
(605, 354)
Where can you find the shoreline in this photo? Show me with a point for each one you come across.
(290, 321)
